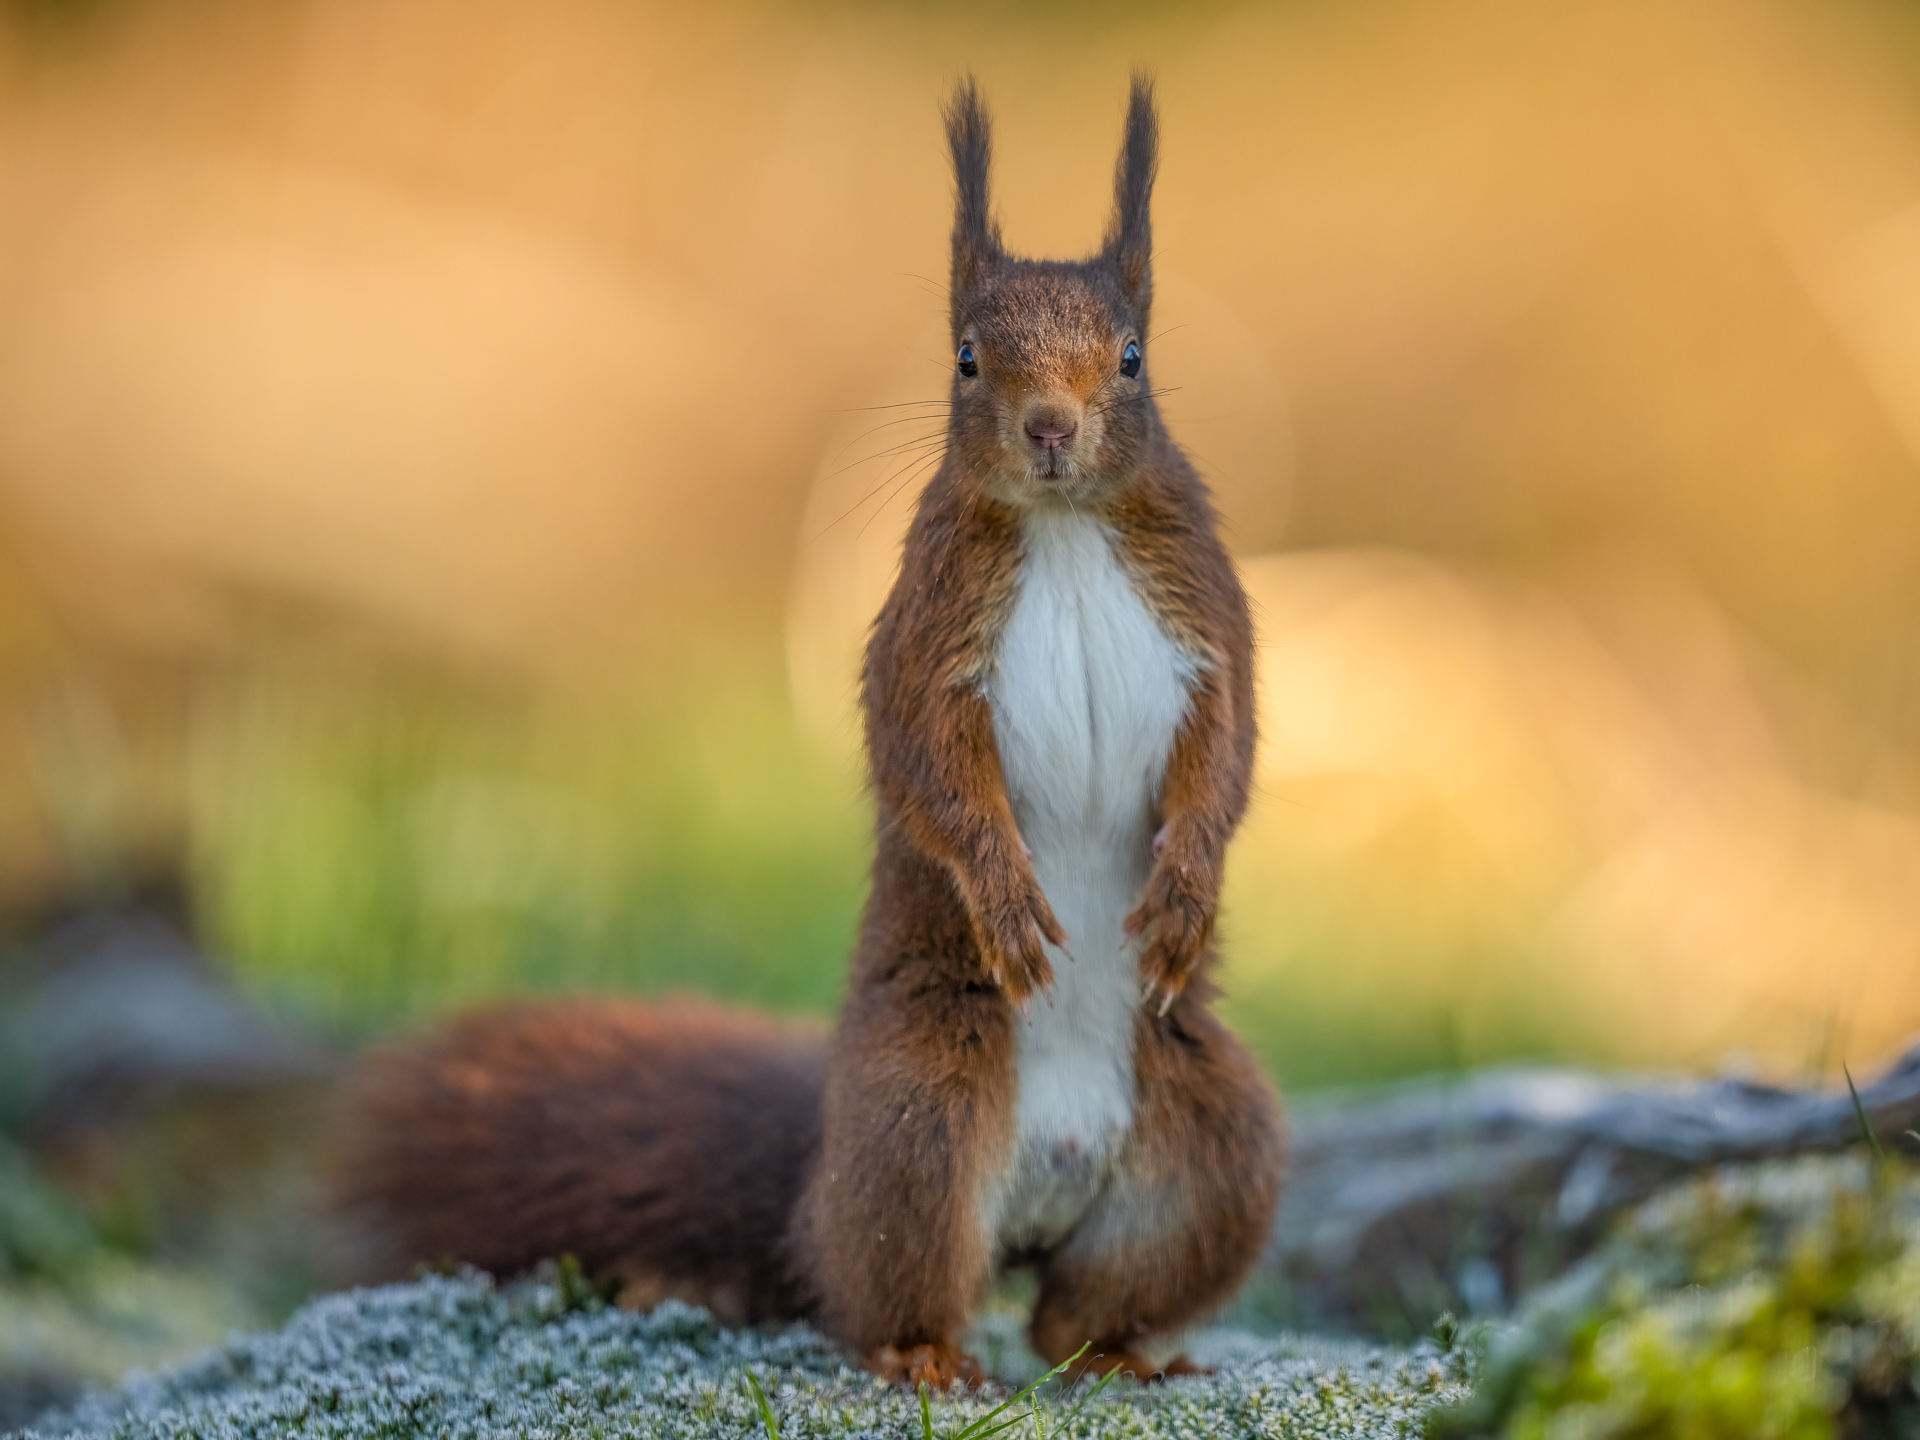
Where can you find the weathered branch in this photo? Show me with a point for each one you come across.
(1461, 1194)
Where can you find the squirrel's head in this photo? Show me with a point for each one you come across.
(1051, 401)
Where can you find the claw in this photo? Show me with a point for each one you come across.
(1165, 991)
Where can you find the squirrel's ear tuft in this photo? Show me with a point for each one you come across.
(976, 239)
(1130, 237)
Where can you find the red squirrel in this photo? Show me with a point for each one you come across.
(1059, 716)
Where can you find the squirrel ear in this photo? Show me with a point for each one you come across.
(1130, 237)
(976, 238)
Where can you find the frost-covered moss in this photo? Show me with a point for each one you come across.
(1777, 1300)
(459, 1358)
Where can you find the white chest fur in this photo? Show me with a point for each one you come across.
(1087, 692)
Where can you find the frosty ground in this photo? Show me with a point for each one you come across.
(461, 1358)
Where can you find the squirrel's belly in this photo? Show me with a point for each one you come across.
(1073, 1057)
(1088, 692)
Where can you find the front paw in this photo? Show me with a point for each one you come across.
(1010, 930)
(1174, 922)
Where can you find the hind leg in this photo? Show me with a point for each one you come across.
(1187, 1211)
(890, 1230)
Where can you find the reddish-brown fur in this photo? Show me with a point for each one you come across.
(659, 1144)
(621, 1135)
(919, 1096)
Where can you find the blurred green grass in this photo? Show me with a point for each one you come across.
(372, 845)
(375, 843)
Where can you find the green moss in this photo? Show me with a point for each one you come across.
(1777, 1302)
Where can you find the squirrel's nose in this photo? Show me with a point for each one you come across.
(1050, 422)
(1051, 434)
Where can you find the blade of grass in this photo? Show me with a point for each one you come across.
(926, 1413)
(1071, 1413)
(766, 1410)
(1860, 1114)
(978, 1429)
(1105, 1380)
(970, 1433)
(1072, 1416)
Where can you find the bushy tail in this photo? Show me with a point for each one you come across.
(664, 1146)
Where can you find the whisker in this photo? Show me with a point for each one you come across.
(893, 449)
(883, 425)
(939, 438)
(1135, 399)
(905, 481)
(910, 275)
(884, 482)
(899, 405)
(911, 416)
(931, 437)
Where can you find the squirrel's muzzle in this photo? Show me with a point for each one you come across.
(1050, 425)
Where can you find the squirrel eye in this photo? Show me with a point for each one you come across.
(1130, 359)
(969, 367)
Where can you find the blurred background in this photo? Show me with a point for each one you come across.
(443, 491)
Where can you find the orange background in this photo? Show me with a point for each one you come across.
(1557, 369)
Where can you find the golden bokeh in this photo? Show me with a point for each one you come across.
(1557, 370)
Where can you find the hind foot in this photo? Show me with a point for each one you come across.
(935, 1366)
